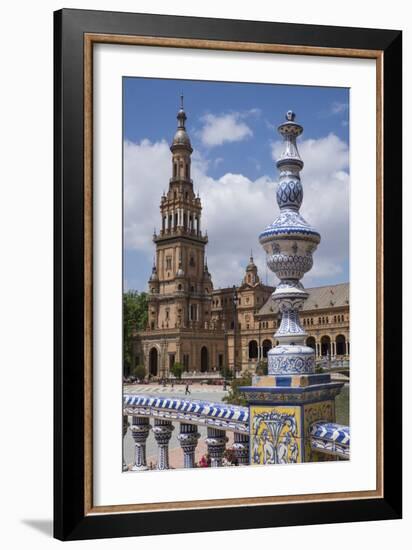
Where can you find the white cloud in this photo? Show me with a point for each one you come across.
(147, 168)
(338, 108)
(236, 209)
(225, 128)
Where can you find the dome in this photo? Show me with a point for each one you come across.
(251, 266)
(181, 138)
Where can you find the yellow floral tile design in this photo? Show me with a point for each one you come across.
(275, 435)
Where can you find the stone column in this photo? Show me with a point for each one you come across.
(216, 444)
(125, 426)
(140, 431)
(188, 438)
(347, 347)
(163, 432)
(241, 448)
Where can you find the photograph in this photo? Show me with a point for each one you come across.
(236, 274)
(227, 199)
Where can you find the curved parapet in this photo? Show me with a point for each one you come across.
(331, 439)
(219, 415)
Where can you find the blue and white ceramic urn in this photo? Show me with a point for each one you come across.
(289, 243)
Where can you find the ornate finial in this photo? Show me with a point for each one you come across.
(181, 117)
(289, 243)
(251, 255)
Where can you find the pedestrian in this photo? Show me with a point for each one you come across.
(187, 389)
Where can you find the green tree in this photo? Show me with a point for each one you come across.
(226, 373)
(139, 371)
(134, 318)
(234, 397)
(177, 370)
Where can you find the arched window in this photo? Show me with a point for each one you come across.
(204, 359)
(325, 346)
(340, 344)
(311, 342)
(174, 169)
(153, 360)
(266, 346)
(253, 349)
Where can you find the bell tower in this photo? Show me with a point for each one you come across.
(180, 286)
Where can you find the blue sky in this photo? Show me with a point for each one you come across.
(232, 127)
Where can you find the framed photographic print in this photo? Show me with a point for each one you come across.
(227, 273)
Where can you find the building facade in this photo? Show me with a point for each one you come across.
(205, 329)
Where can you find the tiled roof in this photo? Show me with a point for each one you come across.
(321, 297)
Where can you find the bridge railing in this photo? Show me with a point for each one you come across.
(331, 439)
(219, 418)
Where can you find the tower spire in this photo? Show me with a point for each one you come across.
(181, 115)
(181, 139)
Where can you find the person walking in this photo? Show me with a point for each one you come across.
(187, 389)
